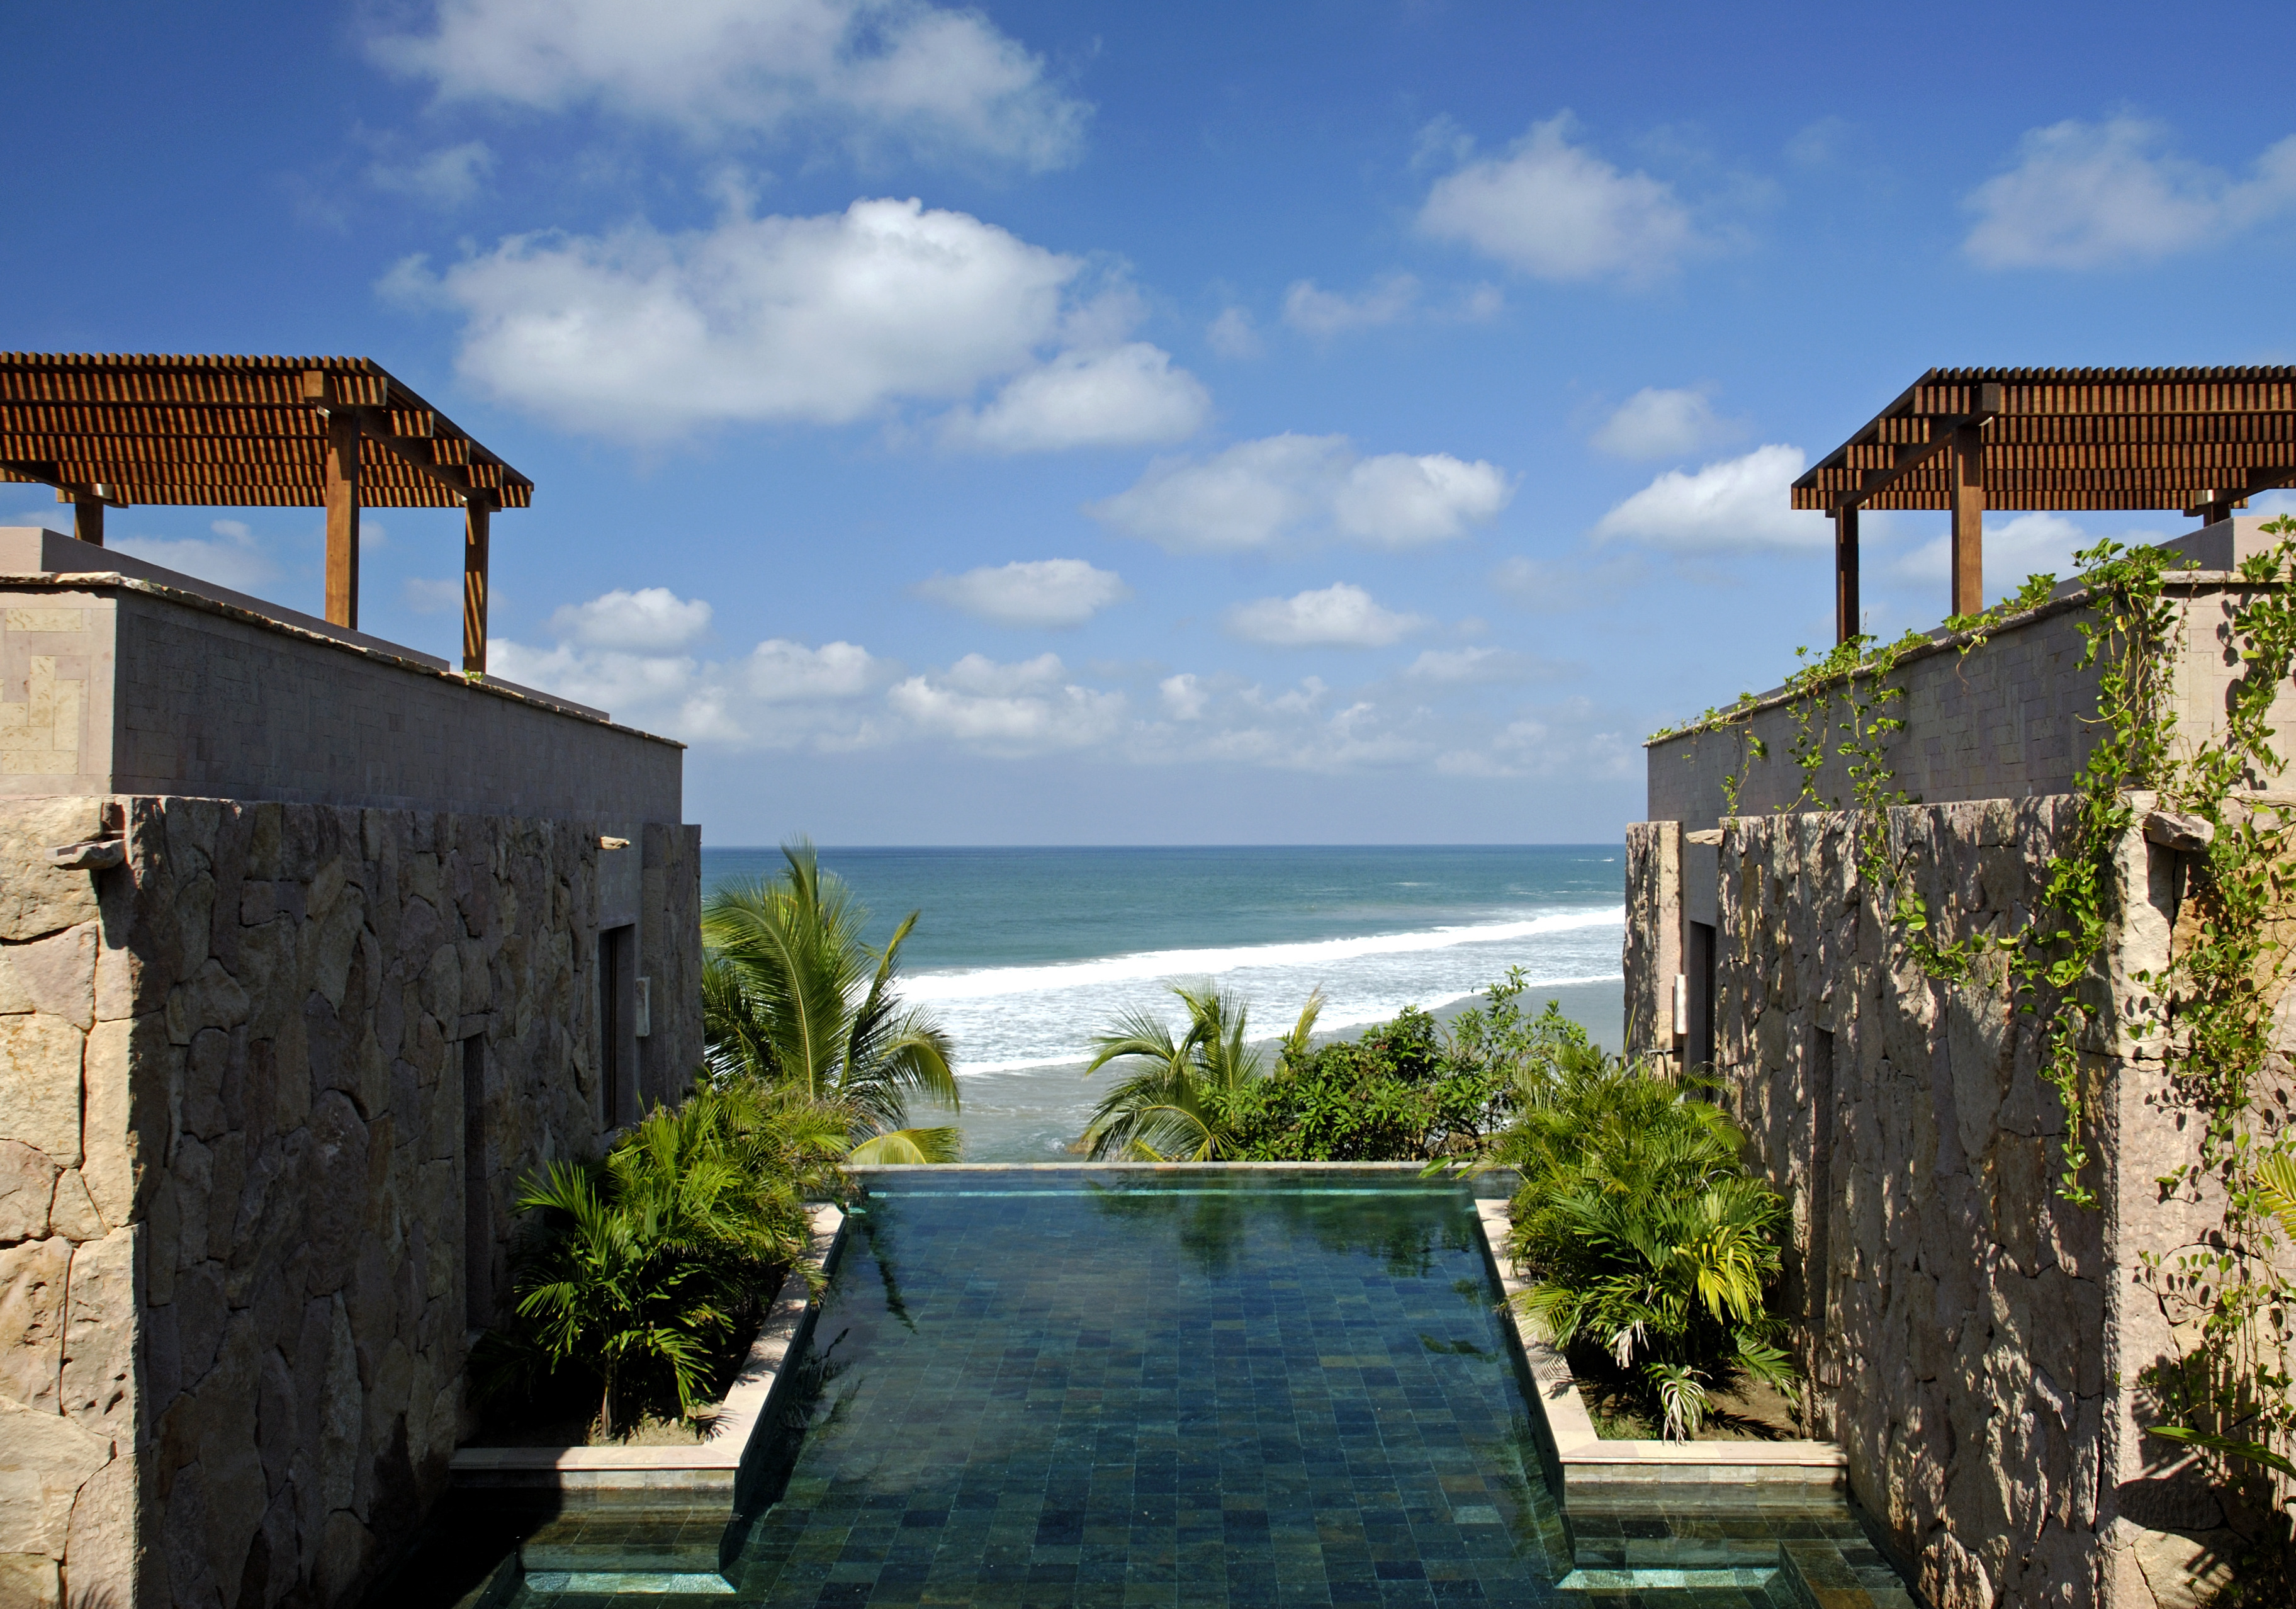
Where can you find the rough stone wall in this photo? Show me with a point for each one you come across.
(232, 1166)
(1973, 1342)
(2013, 718)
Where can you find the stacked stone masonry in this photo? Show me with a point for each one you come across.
(232, 1168)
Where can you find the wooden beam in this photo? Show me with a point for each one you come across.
(87, 521)
(478, 514)
(1967, 491)
(1845, 572)
(342, 487)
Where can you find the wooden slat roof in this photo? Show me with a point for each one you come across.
(233, 432)
(2073, 439)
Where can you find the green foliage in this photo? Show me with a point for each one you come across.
(1174, 1099)
(637, 1270)
(1641, 1234)
(793, 998)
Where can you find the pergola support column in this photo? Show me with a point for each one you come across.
(87, 521)
(1967, 491)
(478, 515)
(1845, 572)
(342, 464)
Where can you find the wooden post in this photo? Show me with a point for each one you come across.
(1968, 492)
(87, 520)
(1845, 572)
(477, 517)
(343, 518)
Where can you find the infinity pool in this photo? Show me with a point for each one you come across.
(1134, 1387)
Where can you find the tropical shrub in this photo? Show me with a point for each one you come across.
(1641, 1234)
(793, 998)
(1174, 1099)
(637, 1270)
(1407, 1090)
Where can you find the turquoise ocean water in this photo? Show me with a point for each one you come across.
(1026, 953)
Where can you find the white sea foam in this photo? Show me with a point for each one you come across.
(1018, 1019)
(993, 980)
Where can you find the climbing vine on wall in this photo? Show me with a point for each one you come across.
(2208, 1016)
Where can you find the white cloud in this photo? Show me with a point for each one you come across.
(233, 559)
(1570, 585)
(1319, 312)
(2088, 196)
(425, 595)
(1477, 664)
(1555, 211)
(450, 177)
(1034, 592)
(1736, 504)
(1019, 709)
(1655, 423)
(1127, 396)
(1258, 492)
(1397, 500)
(653, 620)
(644, 337)
(1231, 334)
(1574, 739)
(780, 671)
(942, 82)
(1338, 616)
(1184, 696)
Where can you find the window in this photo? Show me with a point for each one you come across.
(1698, 966)
(618, 1026)
(478, 1199)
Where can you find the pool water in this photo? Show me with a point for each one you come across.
(1140, 1387)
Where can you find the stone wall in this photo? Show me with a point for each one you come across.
(235, 1296)
(113, 686)
(1973, 1342)
(2013, 718)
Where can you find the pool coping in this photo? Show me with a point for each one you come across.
(711, 1465)
(1589, 1463)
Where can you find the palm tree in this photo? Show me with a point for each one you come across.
(1168, 1106)
(793, 998)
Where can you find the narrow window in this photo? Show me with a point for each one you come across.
(1698, 966)
(478, 1201)
(617, 1046)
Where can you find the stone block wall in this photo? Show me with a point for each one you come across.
(235, 1294)
(1973, 1342)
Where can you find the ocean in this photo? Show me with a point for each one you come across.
(1024, 954)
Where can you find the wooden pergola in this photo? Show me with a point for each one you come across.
(2201, 441)
(338, 433)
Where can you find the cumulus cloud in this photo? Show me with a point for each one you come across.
(1736, 504)
(1555, 211)
(1656, 423)
(1575, 738)
(1033, 592)
(2016, 546)
(1127, 396)
(653, 620)
(938, 81)
(1184, 696)
(642, 336)
(1231, 334)
(2089, 195)
(425, 595)
(1027, 708)
(450, 177)
(232, 558)
(1257, 493)
(1338, 616)
(1308, 308)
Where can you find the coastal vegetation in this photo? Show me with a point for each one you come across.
(641, 1274)
(793, 998)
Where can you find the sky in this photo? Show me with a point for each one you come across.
(1359, 422)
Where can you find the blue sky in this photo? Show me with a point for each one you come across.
(1178, 424)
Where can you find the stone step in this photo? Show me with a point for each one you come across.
(624, 1540)
(1839, 1575)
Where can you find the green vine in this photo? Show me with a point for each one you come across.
(2208, 1017)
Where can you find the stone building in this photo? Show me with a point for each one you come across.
(1976, 1342)
(311, 948)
